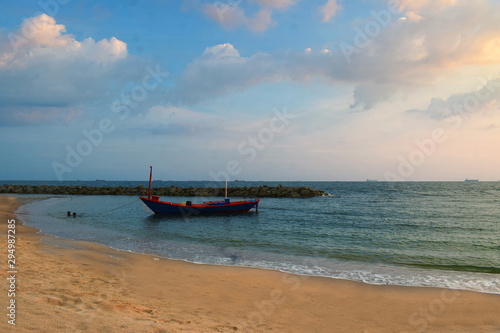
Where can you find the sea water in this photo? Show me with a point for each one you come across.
(435, 234)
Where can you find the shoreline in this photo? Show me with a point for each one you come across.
(305, 265)
(90, 286)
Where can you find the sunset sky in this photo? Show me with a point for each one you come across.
(256, 89)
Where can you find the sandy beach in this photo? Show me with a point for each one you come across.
(84, 287)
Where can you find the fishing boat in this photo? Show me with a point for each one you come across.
(188, 208)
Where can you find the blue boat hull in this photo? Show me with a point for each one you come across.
(163, 207)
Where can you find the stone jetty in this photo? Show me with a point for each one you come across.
(254, 191)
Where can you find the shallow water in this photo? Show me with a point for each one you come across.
(414, 234)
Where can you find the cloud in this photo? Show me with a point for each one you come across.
(277, 4)
(486, 98)
(172, 120)
(45, 71)
(367, 96)
(419, 5)
(329, 10)
(403, 55)
(436, 40)
(41, 36)
(222, 53)
(490, 127)
(451, 35)
(218, 70)
(231, 15)
(221, 69)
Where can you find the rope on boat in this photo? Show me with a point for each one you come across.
(107, 211)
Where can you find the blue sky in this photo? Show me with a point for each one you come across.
(256, 89)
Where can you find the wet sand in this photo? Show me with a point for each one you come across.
(84, 287)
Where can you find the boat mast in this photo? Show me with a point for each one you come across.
(226, 187)
(149, 188)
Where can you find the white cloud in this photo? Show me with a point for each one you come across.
(419, 5)
(40, 36)
(404, 55)
(451, 35)
(42, 31)
(221, 53)
(485, 99)
(413, 17)
(231, 15)
(437, 39)
(44, 69)
(219, 69)
(329, 10)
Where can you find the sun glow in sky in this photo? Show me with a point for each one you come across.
(254, 89)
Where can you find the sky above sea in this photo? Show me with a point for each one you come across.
(400, 90)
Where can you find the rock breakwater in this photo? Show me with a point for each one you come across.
(254, 191)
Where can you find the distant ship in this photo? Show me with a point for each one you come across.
(100, 180)
(372, 180)
(471, 180)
